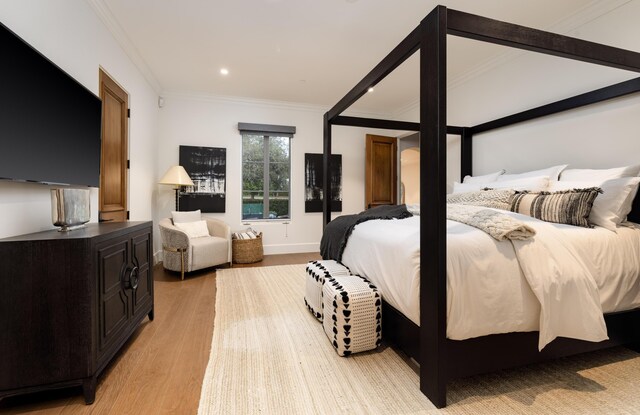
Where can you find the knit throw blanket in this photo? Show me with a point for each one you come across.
(498, 225)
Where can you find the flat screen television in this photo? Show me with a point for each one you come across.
(50, 124)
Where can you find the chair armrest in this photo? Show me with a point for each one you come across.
(218, 228)
(173, 237)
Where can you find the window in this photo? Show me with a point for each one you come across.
(266, 171)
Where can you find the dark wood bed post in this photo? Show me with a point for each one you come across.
(326, 164)
(433, 235)
(466, 152)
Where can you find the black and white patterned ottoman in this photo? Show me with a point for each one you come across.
(317, 271)
(352, 314)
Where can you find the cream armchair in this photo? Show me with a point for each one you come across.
(185, 254)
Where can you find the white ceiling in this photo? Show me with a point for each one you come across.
(307, 51)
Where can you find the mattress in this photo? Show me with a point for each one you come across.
(487, 292)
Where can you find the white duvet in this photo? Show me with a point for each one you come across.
(560, 282)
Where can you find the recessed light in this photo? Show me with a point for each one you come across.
(370, 89)
(224, 71)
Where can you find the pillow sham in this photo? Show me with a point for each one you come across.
(491, 177)
(182, 217)
(197, 229)
(551, 172)
(613, 205)
(497, 199)
(534, 184)
(575, 175)
(569, 207)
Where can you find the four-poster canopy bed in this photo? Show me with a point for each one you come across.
(440, 358)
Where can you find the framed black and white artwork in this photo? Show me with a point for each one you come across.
(313, 182)
(207, 167)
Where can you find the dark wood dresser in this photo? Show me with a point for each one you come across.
(69, 301)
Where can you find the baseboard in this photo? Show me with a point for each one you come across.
(291, 248)
(275, 249)
(157, 257)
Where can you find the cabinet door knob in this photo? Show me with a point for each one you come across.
(131, 280)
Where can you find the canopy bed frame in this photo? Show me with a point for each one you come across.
(442, 359)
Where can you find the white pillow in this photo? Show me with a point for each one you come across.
(197, 229)
(491, 177)
(533, 184)
(414, 209)
(182, 217)
(575, 175)
(552, 173)
(612, 206)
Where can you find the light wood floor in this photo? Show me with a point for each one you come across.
(160, 369)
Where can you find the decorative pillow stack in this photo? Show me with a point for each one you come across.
(581, 197)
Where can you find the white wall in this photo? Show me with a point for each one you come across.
(70, 34)
(212, 122)
(598, 136)
(410, 174)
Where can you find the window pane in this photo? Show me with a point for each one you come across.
(252, 205)
(279, 149)
(279, 177)
(252, 147)
(278, 205)
(252, 176)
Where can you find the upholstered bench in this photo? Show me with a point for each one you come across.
(316, 273)
(352, 314)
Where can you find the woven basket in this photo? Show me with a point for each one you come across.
(246, 251)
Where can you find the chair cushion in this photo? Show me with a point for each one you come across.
(208, 251)
(197, 229)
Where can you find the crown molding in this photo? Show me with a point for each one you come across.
(265, 103)
(104, 13)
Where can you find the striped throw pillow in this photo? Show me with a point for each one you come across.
(570, 207)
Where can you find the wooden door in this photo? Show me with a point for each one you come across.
(381, 176)
(115, 150)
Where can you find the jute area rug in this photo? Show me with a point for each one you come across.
(270, 356)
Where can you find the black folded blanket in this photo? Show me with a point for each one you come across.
(337, 232)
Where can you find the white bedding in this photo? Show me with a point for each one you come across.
(487, 291)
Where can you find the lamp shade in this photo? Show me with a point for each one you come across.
(176, 176)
